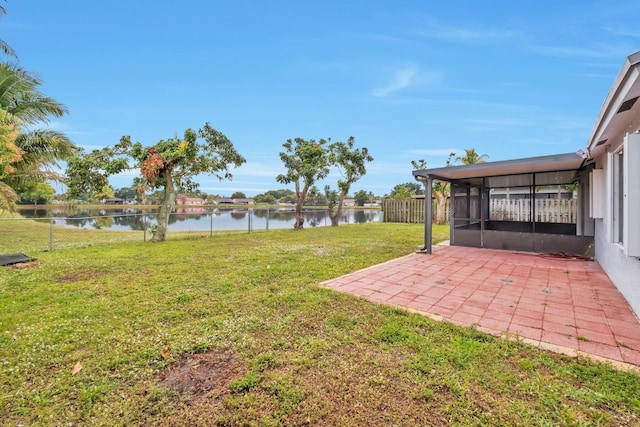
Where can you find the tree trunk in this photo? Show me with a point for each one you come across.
(441, 206)
(335, 219)
(166, 206)
(300, 197)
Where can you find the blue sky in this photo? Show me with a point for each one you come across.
(408, 79)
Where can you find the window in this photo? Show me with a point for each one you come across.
(596, 199)
(629, 172)
(617, 166)
(624, 200)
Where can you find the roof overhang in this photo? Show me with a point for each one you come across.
(558, 167)
(620, 112)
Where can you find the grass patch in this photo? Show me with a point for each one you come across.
(232, 330)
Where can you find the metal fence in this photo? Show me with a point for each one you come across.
(64, 231)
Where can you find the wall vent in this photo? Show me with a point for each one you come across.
(604, 141)
(627, 105)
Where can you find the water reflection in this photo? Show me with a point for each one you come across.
(196, 218)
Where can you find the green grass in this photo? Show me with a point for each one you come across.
(262, 344)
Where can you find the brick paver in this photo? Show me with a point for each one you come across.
(565, 305)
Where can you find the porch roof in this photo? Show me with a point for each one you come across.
(553, 169)
(620, 113)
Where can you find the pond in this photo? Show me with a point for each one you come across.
(196, 218)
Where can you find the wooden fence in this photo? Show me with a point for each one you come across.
(409, 211)
(547, 210)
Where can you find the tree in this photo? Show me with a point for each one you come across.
(269, 199)
(306, 162)
(315, 197)
(361, 197)
(106, 192)
(471, 157)
(36, 193)
(406, 190)
(352, 165)
(238, 195)
(169, 165)
(9, 155)
(312, 196)
(402, 192)
(440, 191)
(278, 194)
(272, 196)
(129, 193)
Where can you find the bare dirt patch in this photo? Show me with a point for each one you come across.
(80, 276)
(23, 265)
(203, 373)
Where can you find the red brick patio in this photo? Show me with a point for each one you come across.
(563, 305)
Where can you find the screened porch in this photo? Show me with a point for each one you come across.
(534, 205)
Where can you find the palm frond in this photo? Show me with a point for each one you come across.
(50, 145)
(8, 50)
(42, 150)
(21, 99)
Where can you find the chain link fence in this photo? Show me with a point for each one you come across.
(37, 234)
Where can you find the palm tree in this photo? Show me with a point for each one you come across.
(471, 157)
(22, 105)
(21, 99)
(4, 47)
(440, 191)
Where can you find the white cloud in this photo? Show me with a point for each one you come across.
(408, 77)
(401, 79)
(599, 51)
(434, 29)
(622, 31)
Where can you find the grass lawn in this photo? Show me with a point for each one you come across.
(232, 330)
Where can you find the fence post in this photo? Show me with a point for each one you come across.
(249, 221)
(144, 227)
(51, 235)
(210, 223)
(267, 219)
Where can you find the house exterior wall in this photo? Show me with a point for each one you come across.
(624, 271)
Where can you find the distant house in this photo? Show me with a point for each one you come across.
(349, 202)
(607, 224)
(114, 201)
(189, 201)
(236, 201)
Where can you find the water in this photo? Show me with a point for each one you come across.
(196, 218)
